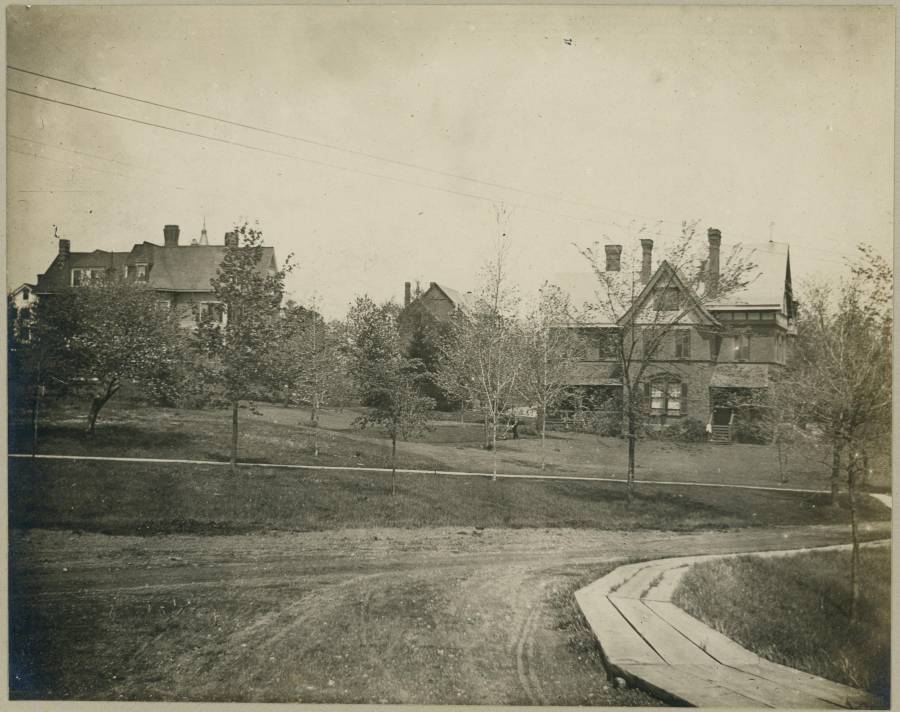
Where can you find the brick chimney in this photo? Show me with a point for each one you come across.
(407, 293)
(646, 259)
(231, 239)
(613, 257)
(65, 247)
(170, 235)
(712, 265)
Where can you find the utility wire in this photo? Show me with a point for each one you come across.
(313, 161)
(322, 144)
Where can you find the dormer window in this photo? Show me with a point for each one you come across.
(138, 271)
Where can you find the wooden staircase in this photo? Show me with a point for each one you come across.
(720, 434)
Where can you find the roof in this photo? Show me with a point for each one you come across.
(188, 268)
(460, 300)
(769, 277)
(24, 285)
(184, 268)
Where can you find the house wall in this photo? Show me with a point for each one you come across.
(184, 302)
(437, 303)
(762, 341)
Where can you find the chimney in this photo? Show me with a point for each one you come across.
(712, 265)
(613, 257)
(170, 235)
(64, 248)
(646, 259)
(231, 239)
(407, 293)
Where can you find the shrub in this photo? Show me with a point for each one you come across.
(687, 430)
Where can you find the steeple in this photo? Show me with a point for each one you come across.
(204, 240)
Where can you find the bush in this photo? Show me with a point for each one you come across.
(752, 432)
(687, 430)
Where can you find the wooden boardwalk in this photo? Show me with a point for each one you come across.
(651, 643)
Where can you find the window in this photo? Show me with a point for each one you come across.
(212, 311)
(141, 272)
(25, 294)
(742, 347)
(668, 397)
(86, 275)
(163, 304)
(598, 344)
(682, 343)
(715, 345)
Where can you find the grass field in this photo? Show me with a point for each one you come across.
(282, 435)
(141, 498)
(794, 611)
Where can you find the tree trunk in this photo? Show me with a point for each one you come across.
(462, 412)
(543, 439)
(35, 407)
(314, 420)
(836, 449)
(632, 437)
(234, 435)
(494, 448)
(393, 463)
(854, 537)
(100, 400)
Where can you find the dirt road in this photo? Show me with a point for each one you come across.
(441, 615)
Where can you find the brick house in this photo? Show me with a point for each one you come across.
(178, 274)
(720, 353)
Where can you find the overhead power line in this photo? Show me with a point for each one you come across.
(333, 147)
(250, 147)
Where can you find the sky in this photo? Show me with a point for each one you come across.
(403, 128)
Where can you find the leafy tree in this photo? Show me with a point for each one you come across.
(480, 359)
(638, 333)
(310, 361)
(424, 335)
(549, 349)
(388, 382)
(240, 346)
(841, 373)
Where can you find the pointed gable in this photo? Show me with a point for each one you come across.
(666, 297)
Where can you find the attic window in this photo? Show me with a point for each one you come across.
(82, 276)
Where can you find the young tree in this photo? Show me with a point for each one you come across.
(388, 382)
(841, 376)
(310, 361)
(637, 331)
(481, 358)
(240, 345)
(549, 349)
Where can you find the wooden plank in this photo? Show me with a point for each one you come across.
(825, 690)
(716, 645)
(621, 644)
(669, 644)
(613, 580)
(639, 583)
(664, 590)
(669, 680)
(764, 691)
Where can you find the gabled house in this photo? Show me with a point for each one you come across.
(714, 353)
(178, 274)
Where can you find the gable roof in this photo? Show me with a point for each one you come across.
(673, 278)
(460, 300)
(772, 277)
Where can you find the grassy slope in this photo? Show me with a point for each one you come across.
(795, 611)
(159, 498)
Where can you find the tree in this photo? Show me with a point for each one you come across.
(640, 310)
(108, 333)
(424, 334)
(480, 358)
(549, 349)
(310, 361)
(240, 340)
(841, 372)
(387, 381)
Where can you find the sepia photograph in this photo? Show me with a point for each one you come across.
(507, 355)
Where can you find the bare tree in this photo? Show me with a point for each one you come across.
(480, 359)
(549, 349)
(639, 309)
(841, 374)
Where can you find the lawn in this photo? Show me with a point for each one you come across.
(794, 610)
(282, 435)
(147, 498)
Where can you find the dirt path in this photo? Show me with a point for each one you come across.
(380, 615)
